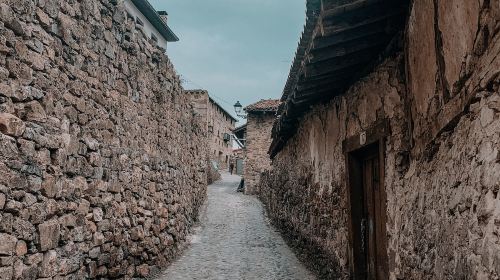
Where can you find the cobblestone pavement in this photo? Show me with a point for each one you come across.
(235, 241)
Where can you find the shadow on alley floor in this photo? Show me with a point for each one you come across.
(235, 241)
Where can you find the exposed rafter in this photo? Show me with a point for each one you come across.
(339, 43)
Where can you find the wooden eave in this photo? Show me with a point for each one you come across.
(339, 44)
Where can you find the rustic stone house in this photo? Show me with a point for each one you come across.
(219, 125)
(260, 119)
(385, 155)
(102, 160)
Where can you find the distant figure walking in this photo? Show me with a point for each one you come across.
(231, 164)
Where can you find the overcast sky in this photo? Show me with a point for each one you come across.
(236, 49)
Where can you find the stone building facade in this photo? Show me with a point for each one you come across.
(400, 165)
(218, 124)
(260, 120)
(102, 160)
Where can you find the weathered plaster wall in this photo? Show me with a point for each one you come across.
(259, 126)
(452, 53)
(102, 164)
(442, 154)
(444, 212)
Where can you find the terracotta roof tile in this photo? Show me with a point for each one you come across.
(265, 105)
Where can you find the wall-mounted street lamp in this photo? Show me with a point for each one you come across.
(239, 110)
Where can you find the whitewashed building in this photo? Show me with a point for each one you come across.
(154, 23)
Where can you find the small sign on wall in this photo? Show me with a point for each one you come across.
(362, 138)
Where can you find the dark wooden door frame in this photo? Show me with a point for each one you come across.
(353, 148)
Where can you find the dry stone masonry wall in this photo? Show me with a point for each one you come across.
(102, 167)
(259, 126)
(442, 154)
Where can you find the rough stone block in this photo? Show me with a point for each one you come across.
(34, 259)
(98, 238)
(2, 200)
(6, 261)
(4, 73)
(143, 270)
(486, 117)
(49, 266)
(68, 220)
(6, 13)
(95, 252)
(6, 273)
(44, 19)
(11, 125)
(21, 71)
(29, 272)
(49, 235)
(27, 93)
(17, 26)
(97, 214)
(7, 244)
(13, 206)
(50, 188)
(23, 229)
(69, 265)
(21, 248)
(29, 199)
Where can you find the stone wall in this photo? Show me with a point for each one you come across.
(101, 157)
(305, 192)
(442, 167)
(217, 122)
(259, 126)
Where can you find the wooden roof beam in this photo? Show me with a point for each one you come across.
(313, 99)
(327, 67)
(316, 93)
(336, 28)
(330, 75)
(350, 47)
(382, 27)
(335, 78)
(338, 10)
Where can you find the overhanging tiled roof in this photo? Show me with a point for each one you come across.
(341, 42)
(265, 105)
(152, 15)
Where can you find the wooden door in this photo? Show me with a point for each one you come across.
(368, 220)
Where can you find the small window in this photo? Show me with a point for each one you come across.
(139, 21)
(154, 38)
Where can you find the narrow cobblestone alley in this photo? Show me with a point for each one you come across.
(235, 241)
